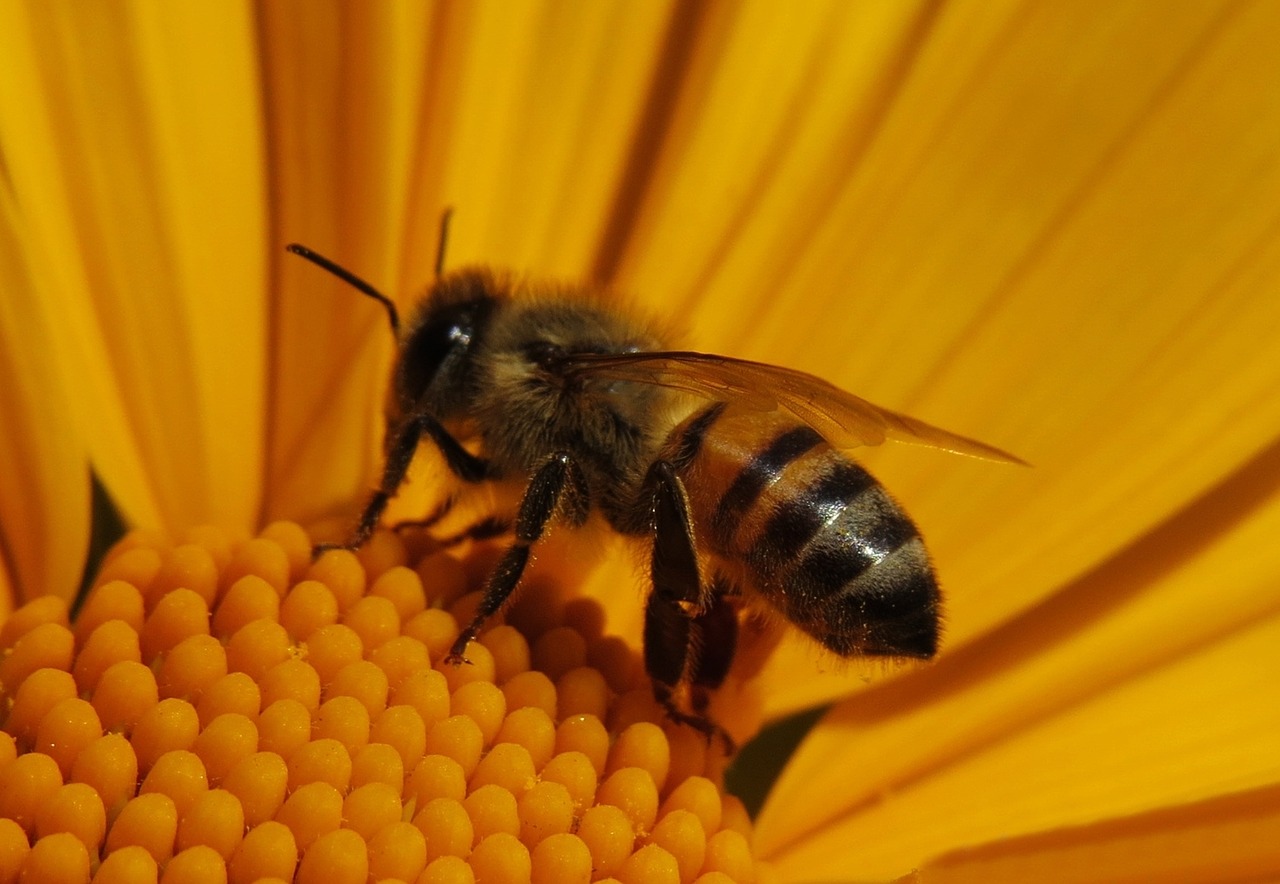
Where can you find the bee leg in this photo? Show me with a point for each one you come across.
(715, 640)
(461, 462)
(673, 624)
(556, 485)
(485, 529)
(442, 509)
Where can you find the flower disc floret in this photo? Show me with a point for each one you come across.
(227, 708)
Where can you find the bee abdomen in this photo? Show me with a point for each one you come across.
(843, 562)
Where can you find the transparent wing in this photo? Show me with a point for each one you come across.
(845, 420)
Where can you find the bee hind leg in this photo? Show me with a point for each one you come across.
(707, 646)
(715, 641)
(556, 485)
(681, 621)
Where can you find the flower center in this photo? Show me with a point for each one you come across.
(230, 703)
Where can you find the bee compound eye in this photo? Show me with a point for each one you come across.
(544, 354)
(443, 337)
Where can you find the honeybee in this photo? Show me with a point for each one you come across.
(734, 472)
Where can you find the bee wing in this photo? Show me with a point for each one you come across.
(845, 420)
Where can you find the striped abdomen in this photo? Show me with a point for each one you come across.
(810, 532)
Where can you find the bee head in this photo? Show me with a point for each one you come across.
(436, 368)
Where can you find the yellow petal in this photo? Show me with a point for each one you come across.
(342, 85)
(149, 221)
(1144, 685)
(1126, 342)
(767, 119)
(1061, 238)
(44, 468)
(482, 107)
(1230, 838)
(535, 110)
(8, 588)
(1202, 727)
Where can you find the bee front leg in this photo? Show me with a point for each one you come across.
(679, 614)
(557, 484)
(404, 445)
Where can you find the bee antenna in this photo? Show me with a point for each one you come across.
(445, 217)
(350, 279)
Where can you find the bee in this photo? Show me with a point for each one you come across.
(734, 473)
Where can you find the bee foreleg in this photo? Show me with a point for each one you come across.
(442, 509)
(556, 485)
(486, 529)
(674, 614)
(461, 463)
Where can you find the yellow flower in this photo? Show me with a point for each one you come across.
(1053, 226)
